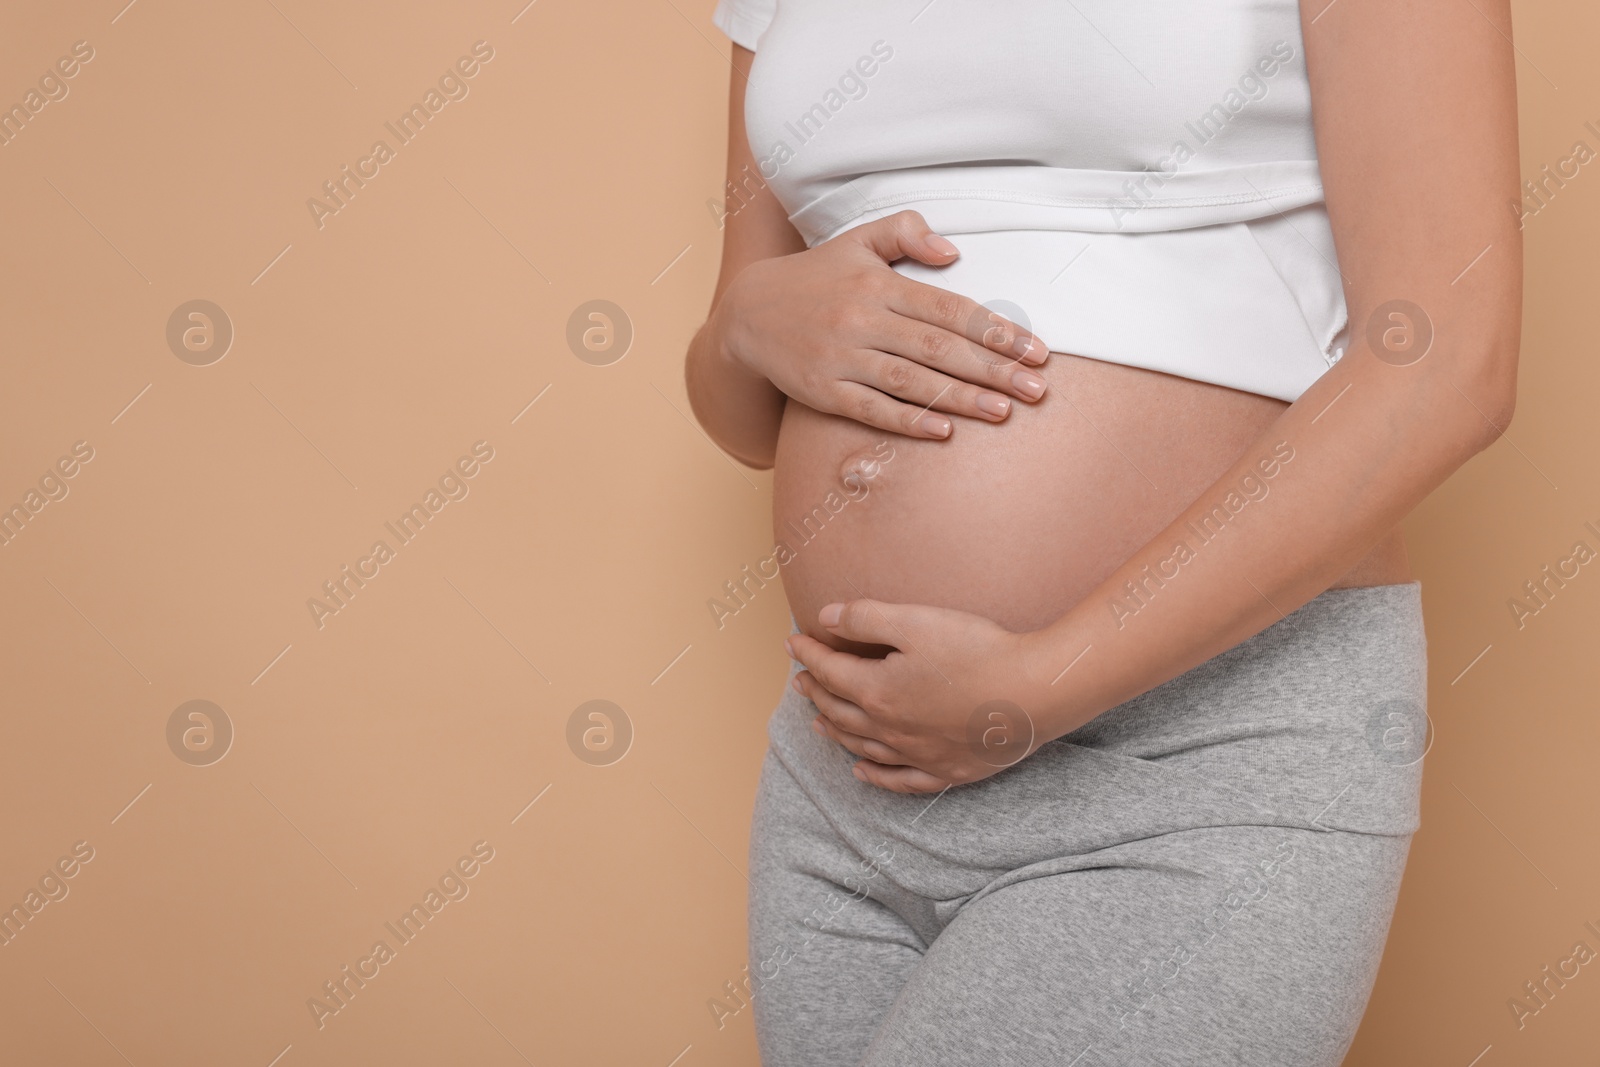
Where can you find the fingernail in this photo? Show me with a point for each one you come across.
(994, 404)
(940, 245)
(1030, 385)
(936, 425)
(794, 683)
(1028, 348)
(830, 614)
(860, 774)
(816, 725)
(788, 647)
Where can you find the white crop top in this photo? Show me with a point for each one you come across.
(1136, 182)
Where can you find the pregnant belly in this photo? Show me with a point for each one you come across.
(1015, 521)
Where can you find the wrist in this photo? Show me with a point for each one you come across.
(1056, 662)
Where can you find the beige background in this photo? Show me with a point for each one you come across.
(430, 711)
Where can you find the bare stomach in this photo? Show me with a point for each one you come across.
(1015, 521)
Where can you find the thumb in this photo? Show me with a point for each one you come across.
(905, 233)
(871, 622)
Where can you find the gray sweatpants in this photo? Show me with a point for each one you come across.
(1203, 875)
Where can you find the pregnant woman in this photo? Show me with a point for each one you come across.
(1098, 348)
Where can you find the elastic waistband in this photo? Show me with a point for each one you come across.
(1401, 601)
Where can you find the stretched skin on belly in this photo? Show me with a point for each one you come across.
(1015, 521)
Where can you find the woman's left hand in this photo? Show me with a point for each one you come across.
(954, 703)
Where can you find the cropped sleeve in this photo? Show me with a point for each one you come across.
(743, 20)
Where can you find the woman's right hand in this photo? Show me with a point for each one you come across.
(839, 330)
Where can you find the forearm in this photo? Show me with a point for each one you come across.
(1364, 445)
(739, 410)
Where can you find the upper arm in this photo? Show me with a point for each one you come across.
(1415, 113)
(755, 224)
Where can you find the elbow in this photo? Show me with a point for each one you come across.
(757, 462)
(702, 412)
(1489, 385)
(1505, 402)
(1489, 422)
(1465, 398)
(1496, 379)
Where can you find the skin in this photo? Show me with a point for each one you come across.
(1415, 121)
